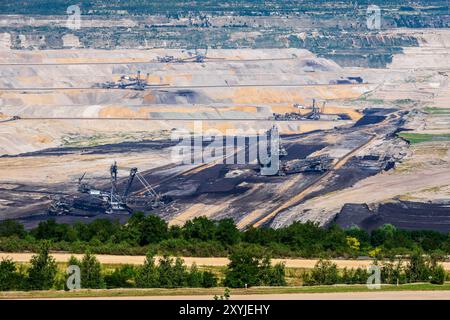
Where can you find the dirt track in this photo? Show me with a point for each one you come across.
(216, 262)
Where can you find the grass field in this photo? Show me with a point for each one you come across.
(445, 111)
(88, 293)
(423, 137)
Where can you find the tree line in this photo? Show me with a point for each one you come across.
(416, 268)
(43, 273)
(204, 237)
(245, 269)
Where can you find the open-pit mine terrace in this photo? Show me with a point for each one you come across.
(57, 123)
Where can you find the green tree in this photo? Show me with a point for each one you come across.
(91, 275)
(195, 277)
(383, 236)
(50, 230)
(42, 272)
(9, 277)
(150, 229)
(200, 228)
(147, 274)
(362, 236)
(265, 271)
(417, 269)
(102, 229)
(165, 271)
(226, 232)
(9, 228)
(277, 275)
(243, 269)
(179, 274)
(175, 232)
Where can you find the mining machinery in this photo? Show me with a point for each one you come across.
(109, 201)
(315, 114)
(315, 110)
(315, 164)
(318, 164)
(166, 59)
(197, 56)
(269, 163)
(129, 82)
(60, 206)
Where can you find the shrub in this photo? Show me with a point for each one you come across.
(10, 278)
(249, 269)
(324, 273)
(195, 277)
(209, 280)
(122, 277)
(354, 276)
(438, 275)
(277, 275)
(417, 269)
(392, 272)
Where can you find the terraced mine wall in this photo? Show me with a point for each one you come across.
(337, 32)
(402, 214)
(58, 121)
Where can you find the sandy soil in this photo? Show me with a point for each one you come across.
(216, 262)
(67, 168)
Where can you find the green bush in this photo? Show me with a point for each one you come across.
(393, 272)
(122, 277)
(195, 279)
(277, 275)
(437, 275)
(354, 276)
(249, 269)
(423, 268)
(10, 277)
(324, 273)
(209, 280)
